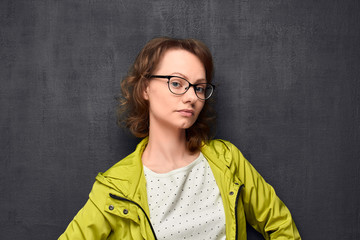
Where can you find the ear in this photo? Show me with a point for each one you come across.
(145, 92)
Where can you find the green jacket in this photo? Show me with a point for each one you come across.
(118, 208)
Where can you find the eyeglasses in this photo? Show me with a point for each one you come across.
(179, 86)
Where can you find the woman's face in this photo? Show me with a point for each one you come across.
(167, 109)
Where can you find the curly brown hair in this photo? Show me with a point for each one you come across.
(133, 109)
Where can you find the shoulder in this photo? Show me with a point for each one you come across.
(220, 145)
(218, 149)
(130, 163)
(123, 177)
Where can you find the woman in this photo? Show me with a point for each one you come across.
(177, 184)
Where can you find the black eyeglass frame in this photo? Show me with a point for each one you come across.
(168, 77)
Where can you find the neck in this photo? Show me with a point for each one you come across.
(166, 150)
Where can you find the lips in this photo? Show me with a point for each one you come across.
(186, 112)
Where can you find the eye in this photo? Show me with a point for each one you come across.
(200, 88)
(175, 84)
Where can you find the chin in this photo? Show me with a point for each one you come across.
(187, 125)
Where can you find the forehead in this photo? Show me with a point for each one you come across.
(180, 60)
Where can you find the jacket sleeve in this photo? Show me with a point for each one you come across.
(264, 211)
(89, 223)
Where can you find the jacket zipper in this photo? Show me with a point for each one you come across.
(147, 218)
(236, 217)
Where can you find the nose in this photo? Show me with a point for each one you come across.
(190, 95)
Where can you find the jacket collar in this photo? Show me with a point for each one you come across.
(127, 175)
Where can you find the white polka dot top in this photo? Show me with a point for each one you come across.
(185, 203)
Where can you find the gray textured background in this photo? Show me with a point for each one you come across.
(287, 75)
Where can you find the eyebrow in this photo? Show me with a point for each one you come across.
(184, 76)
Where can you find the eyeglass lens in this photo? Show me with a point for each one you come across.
(180, 86)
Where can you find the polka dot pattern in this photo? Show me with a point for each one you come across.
(186, 203)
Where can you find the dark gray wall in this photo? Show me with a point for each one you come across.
(287, 75)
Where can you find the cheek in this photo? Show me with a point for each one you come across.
(160, 102)
(201, 106)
